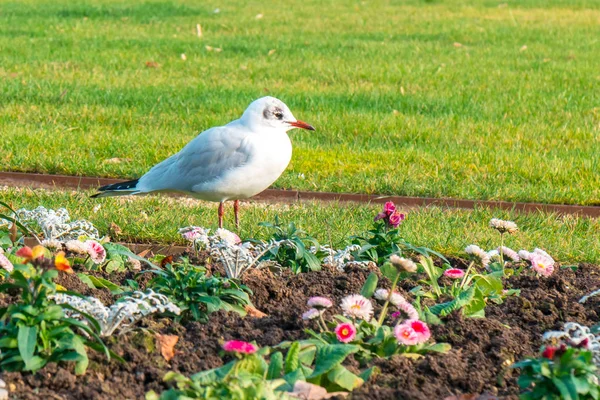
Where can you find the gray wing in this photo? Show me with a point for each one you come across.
(207, 157)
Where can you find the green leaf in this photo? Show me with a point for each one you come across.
(389, 271)
(27, 338)
(101, 283)
(276, 366)
(438, 348)
(36, 363)
(370, 285)
(368, 373)
(330, 356)
(292, 361)
(565, 393)
(294, 376)
(344, 378)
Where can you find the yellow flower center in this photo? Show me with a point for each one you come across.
(345, 331)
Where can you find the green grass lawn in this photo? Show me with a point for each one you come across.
(474, 99)
(157, 219)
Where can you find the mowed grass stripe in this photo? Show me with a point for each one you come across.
(156, 219)
(400, 109)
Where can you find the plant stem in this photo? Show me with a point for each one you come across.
(387, 301)
(466, 275)
(323, 321)
(502, 250)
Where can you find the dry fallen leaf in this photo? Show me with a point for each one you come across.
(183, 56)
(456, 44)
(198, 30)
(308, 391)
(13, 232)
(271, 52)
(523, 48)
(259, 16)
(167, 343)
(253, 312)
(166, 260)
(144, 253)
(115, 160)
(152, 64)
(115, 229)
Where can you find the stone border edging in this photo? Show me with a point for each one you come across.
(21, 179)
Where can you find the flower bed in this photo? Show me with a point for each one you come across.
(395, 323)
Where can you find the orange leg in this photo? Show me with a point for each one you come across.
(221, 214)
(236, 208)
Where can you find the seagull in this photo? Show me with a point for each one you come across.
(231, 162)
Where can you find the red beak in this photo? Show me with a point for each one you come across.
(301, 125)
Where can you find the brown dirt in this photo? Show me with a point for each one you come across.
(481, 348)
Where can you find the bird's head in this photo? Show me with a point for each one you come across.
(271, 112)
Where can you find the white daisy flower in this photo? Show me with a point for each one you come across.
(396, 299)
(52, 244)
(357, 306)
(503, 226)
(75, 246)
(403, 263)
(524, 255)
(510, 253)
(477, 252)
(228, 236)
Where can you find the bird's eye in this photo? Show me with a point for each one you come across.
(278, 115)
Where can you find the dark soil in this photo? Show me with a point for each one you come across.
(482, 349)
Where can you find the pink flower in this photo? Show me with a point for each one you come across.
(95, 251)
(412, 332)
(541, 264)
(396, 219)
(454, 273)
(311, 314)
(240, 347)
(319, 302)
(5, 263)
(408, 309)
(389, 208)
(345, 332)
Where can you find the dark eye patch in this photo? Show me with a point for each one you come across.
(276, 113)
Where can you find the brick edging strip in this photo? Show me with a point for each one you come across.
(21, 179)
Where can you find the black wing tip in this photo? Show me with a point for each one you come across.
(116, 187)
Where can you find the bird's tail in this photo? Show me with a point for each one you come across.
(118, 189)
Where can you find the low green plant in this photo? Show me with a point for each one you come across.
(291, 248)
(384, 239)
(565, 373)
(196, 293)
(469, 290)
(34, 331)
(264, 374)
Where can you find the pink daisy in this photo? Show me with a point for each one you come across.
(454, 273)
(345, 332)
(5, 263)
(412, 332)
(95, 251)
(541, 264)
(319, 302)
(240, 347)
(357, 306)
(311, 314)
(408, 309)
